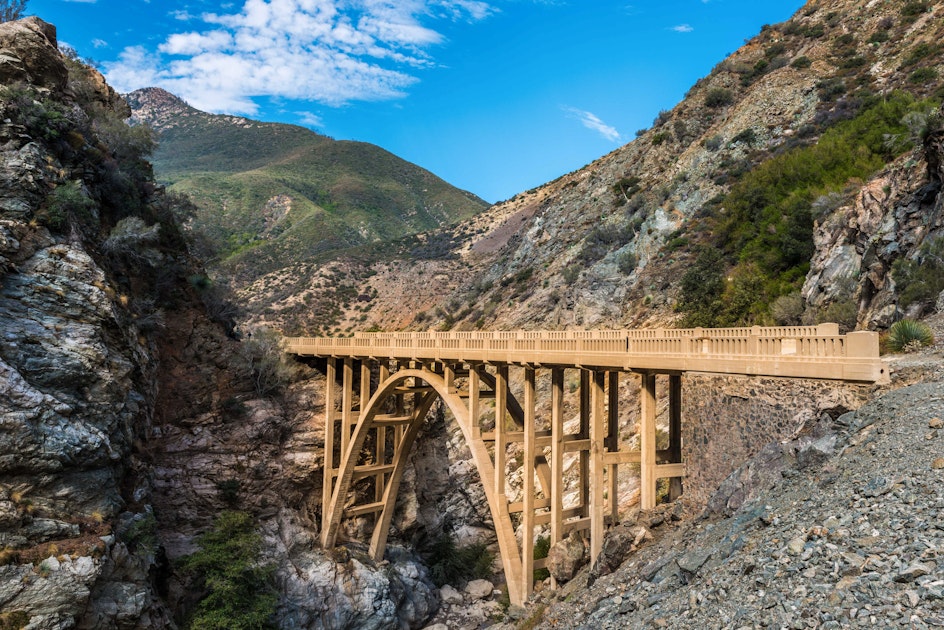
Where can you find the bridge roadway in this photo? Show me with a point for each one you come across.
(374, 413)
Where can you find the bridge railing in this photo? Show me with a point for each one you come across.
(822, 341)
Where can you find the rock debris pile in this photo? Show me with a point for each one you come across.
(852, 535)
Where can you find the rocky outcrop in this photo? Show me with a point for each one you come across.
(889, 219)
(29, 54)
(128, 418)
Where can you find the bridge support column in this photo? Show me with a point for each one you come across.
(557, 459)
(329, 463)
(675, 432)
(647, 441)
(597, 448)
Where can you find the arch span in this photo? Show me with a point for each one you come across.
(367, 421)
(378, 430)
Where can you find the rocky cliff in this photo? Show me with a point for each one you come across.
(130, 418)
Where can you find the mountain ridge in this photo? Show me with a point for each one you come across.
(334, 195)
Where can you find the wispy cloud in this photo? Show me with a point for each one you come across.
(99, 43)
(683, 28)
(593, 122)
(330, 51)
(309, 119)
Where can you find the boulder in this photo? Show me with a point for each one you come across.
(618, 544)
(29, 53)
(566, 557)
(479, 589)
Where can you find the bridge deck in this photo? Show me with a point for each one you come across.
(798, 352)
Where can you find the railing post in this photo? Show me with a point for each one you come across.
(862, 344)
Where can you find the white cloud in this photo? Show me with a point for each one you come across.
(310, 120)
(183, 16)
(99, 43)
(331, 51)
(593, 122)
(683, 28)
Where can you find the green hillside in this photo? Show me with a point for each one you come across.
(271, 194)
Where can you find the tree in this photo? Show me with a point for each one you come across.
(11, 10)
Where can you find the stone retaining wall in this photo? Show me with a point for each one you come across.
(728, 419)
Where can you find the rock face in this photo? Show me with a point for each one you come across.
(30, 55)
(128, 418)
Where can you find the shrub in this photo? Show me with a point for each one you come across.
(713, 143)
(14, 619)
(626, 262)
(787, 310)
(450, 564)
(132, 240)
(747, 136)
(842, 311)
(571, 273)
(11, 10)
(913, 9)
(141, 533)
(922, 76)
(920, 280)
(542, 546)
(801, 62)
(907, 335)
(719, 97)
(68, 202)
(271, 370)
(239, 587)
(659, 138)
(228, 491)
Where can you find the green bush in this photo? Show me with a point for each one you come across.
(907, 335)
(68, 202)
(922, 76)
(450, 564)
(719, 97)
(240, 593)
(542, 546)
(913, 9)
(787, 310)
(747, 136)
(801, 62)
(626, 262)
(920, 280)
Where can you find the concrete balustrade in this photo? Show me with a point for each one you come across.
(801, 351)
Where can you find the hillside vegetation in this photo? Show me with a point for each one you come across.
(269, 195)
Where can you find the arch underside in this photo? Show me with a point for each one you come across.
(377, 435)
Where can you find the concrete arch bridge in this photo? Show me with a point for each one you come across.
(389, 382)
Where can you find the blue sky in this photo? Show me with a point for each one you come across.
(494, 96)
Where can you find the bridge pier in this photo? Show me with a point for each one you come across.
(370, 428)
